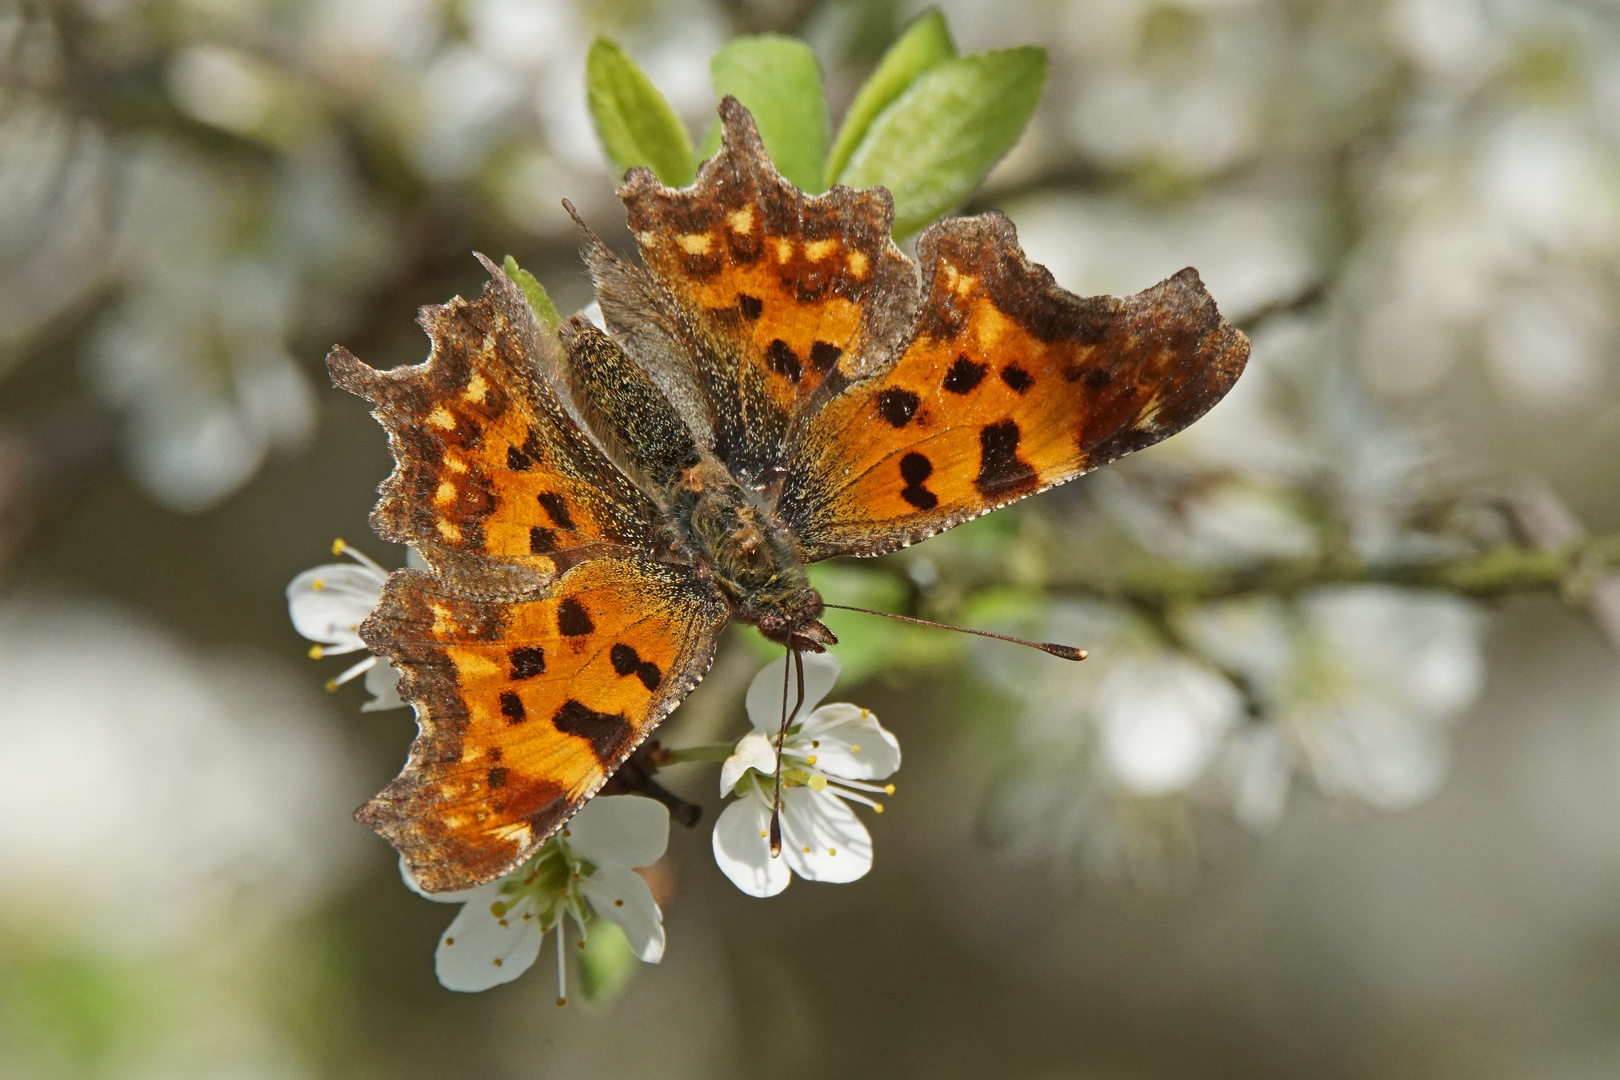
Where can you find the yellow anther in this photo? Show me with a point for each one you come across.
(832, 851)
(316, 652)
(581, 944)
(811, 759)
(807, 849)
(763, 833)
(449, 941)
(620, 903)
(855, 749)
(561, 1002)
(877, 808)
(866, 714)
(815, 744)
(497, 961)
(318, 584)
(331, 685)
(888, 789)
(338, 545)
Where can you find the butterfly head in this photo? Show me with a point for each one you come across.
(796, 624)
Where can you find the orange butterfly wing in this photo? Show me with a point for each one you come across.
(550, 640)
(527, 707)
(493, 483)
(1009, 385)
(777, 294)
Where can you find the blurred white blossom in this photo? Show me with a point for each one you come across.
(1362, 684)
(829, 759)
(200, 787)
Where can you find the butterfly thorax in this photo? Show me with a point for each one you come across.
(749, 557)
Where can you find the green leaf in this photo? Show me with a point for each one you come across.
(534, 292)
(939, 139)
(634, 121)
(779, 82)
(925, 44)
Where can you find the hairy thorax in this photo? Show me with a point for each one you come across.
(750, 557)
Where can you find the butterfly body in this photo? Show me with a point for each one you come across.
(776, 384)
(751, 557)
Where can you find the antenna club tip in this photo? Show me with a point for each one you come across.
(1066, 652)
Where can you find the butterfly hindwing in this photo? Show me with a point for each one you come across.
(526, 707)
(493, 483)
(1007, 386)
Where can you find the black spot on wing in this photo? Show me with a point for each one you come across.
(751, 306)
(512, 707)
(1000, 468)
(783, 360)
(527, 661)
(525, 457)
(542, 541)
(824, 355)
(623, 658)
(556, 509)
(897, 406)
(626, 661)
(606, 732)
(964, 375)
(914, 469)
(573, 620)
(497, 776)
(1017, 378)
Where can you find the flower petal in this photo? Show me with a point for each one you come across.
(328, 603)
(382, 683)
(755, 751)
(822, 839)
(488, 892)
(626, 830)
(623, 896)
(742, 848)
(765, 692)
(852, 744)
(480, 949)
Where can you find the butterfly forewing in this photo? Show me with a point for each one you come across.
(493, 482)
(1008, 385)
(779, 293)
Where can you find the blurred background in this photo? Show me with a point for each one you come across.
(1292, 821)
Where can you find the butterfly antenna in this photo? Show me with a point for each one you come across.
(781, 738)
(1065, 652)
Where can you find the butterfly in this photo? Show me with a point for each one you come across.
(777, 383)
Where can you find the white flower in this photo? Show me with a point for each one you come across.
(828, 759)
(328, 604)
(586, 869)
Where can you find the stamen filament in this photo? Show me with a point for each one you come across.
(340, 548)
(363, 666)
(853, 796)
